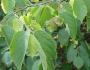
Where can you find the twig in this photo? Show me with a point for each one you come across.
(30, 5)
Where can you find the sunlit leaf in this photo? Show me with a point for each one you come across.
(8, 5)
(45, 15)
(18, 48)
(17, 25)
(32, 45)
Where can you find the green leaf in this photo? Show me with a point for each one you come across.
(71, 2)
(71, 53)
(10, 20)
(36, 12)
(6, 58)
(42, 54)
(67, 7)
(29, 63)
(35, 26)
(48, 46)
(8, 32)
(45, 15)
(54, 5)
(2, 42)
(36, 65)
(80, 9)
(88, 21)
(63, 36)
(18, 48)
(71, 24)
(34, 0)
(87, 2)
(8, 5)
(32, 45)
(85, 55)
(20, 3)
(78, 62)
(17, 25)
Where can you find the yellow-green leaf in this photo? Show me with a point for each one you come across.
(17, 25)
(32, 45)
(8, 5)
(18, 48)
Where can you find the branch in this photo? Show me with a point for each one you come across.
(30, 5)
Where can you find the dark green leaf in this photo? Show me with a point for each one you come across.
(71, 53)
(85, 55)
(78, 62)
(63, 36)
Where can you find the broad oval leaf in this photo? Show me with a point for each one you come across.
(78, 62)
(84, 54)
(71, 53)
(80, 9)
(48, 46)
(71, 24)
(41, 53)
(17, 25)
(18, 48)
(8, 5)
(46, 42)
(63, 36)
(32, 45)
(8, 32)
